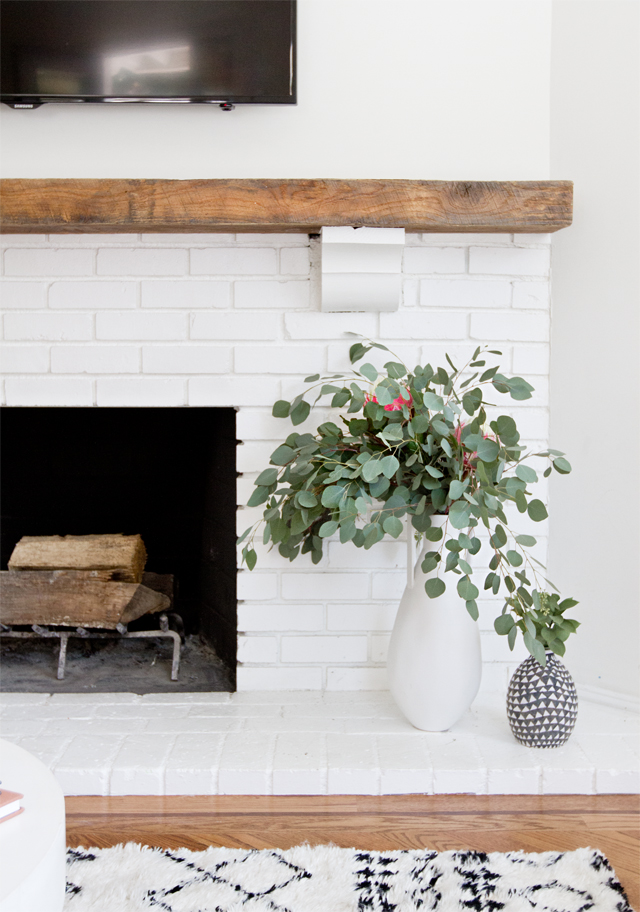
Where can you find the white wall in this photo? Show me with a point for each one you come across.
(594, 546)
(387, 88)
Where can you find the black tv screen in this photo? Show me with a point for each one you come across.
(191, 51)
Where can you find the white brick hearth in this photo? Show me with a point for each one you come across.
(233, 320)
(308, 743)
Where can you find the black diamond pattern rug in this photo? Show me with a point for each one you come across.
(134, 878)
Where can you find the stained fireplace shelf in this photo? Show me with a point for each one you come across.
(68, 206)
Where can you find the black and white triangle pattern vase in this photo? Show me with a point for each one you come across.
(542, 703)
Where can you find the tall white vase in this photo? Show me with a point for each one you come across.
(434, 663)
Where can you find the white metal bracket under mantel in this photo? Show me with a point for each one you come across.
(361, 269)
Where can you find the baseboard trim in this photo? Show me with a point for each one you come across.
(608, 697)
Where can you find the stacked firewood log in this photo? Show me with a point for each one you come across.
(78, 581)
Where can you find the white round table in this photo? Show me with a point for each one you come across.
(33, 844)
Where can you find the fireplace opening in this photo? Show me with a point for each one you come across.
(166, 474)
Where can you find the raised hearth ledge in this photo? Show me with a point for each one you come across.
(308, 743)
(43, 206)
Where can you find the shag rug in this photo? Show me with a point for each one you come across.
(135, 878)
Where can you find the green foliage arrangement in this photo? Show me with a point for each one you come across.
(416, 443)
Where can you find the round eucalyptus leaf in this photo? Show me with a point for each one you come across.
(281, 409)
(466, 589)
(487, 450)
(526, 474)
(537, 511)
(268, 477)
(393, 526)
(282, 455)
(300, 413)
(389, 465)
(259, 496)
(328, 528)
(307, 499)
(369, 371)
(434, 587)
(372, 469)
(503, 624)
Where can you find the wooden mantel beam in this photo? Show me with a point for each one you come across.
(106, 206)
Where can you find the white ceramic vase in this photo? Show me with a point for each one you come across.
(434, 663)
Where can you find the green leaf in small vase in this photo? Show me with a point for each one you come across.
(527, 541)
(251, 557)
(503, 624)
(563, 466)
(535, 647)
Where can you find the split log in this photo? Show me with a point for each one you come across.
(80, 598)
(124, 554)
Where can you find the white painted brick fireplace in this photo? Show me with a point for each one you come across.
(233, 320)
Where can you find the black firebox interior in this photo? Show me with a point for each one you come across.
(166, 473)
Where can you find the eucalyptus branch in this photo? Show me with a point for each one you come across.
(411, 450)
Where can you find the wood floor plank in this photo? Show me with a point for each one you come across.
(486, 823)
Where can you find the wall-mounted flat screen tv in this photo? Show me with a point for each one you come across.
(223, 52)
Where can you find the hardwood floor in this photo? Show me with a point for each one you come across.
(487, 823)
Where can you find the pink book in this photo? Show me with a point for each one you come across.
(10, 804)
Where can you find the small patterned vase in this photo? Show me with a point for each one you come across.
(542, 703)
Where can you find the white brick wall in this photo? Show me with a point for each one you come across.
(224, 320)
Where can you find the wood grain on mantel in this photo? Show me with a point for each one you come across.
(119, 206)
